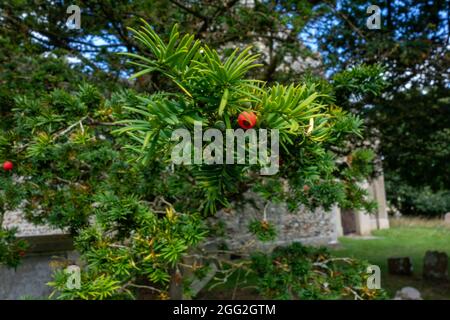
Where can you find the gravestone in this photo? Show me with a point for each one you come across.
(447, 218)
(400, 266)
(408, 293)
(435, 265)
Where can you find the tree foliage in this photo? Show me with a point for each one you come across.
(409, 122)
(308, 273)
(74, 128)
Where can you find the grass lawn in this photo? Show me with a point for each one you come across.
(408, 237)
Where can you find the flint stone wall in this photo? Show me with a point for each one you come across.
(317, 227)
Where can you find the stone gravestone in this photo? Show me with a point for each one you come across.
(435, 265)
(400, 266)
(447, 218)
(408, 293)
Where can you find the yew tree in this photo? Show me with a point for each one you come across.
(100, 165)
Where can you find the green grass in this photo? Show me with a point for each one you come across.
(409, 240)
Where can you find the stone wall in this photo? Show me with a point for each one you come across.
(47, 246)
(309, 227)
(29, 280)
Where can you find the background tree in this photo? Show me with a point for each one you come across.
(273, 25)
(411, 119)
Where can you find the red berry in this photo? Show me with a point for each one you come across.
(22, 253)
(306, 188)
(247, 120)
(8, 165)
